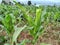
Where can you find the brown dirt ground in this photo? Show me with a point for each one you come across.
(50, 36)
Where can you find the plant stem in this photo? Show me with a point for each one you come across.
(11, 42)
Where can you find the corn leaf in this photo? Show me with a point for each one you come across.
(17, 32)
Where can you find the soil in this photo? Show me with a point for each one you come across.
(50, 36)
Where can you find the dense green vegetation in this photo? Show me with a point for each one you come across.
(17, 18)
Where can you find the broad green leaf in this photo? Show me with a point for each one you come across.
(29, 20)
(38, 17)
(17, 32)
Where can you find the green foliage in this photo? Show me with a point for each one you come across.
(35, 18)
(36, 24)
(8, 19)
(57, 16)
(8, 24)
(17, 32)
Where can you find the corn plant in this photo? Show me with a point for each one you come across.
(57, 16)
(35, 24)
(11, 30)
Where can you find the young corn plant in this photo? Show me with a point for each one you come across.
(57, 17)
(35, 25)
(11, 30)
(8, 25)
